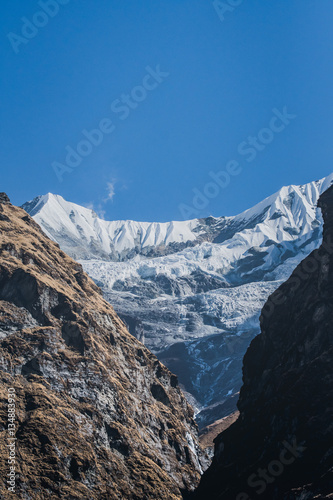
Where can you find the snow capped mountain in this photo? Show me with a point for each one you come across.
(255, 245)
(192, 291)
(285, 216)
(82, 234)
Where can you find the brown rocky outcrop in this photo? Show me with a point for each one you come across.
(281, 446)
(97, 416)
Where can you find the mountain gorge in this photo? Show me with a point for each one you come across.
(96, 414)
(192, 291)
(281, 446)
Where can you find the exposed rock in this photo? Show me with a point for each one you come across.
(97, 415)
(209, 433)
(281, 446)
(4, 198)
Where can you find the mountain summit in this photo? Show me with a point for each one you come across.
(84, 235)
(287, 214)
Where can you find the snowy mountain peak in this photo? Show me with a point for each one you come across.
(291, 198)
(291, 212)
(82, 234)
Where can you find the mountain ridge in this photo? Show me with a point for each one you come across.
(111, 240)
(97, 415)
(123, 239)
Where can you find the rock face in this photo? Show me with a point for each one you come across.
(281, 446)
(4, 198)
(97, 415)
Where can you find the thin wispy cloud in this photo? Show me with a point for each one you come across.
(110, 191)
(98, 208)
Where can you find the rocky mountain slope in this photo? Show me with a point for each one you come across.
(197, 308)
(281, 446)
(97, 416)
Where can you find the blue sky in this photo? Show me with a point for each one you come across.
(222, 77)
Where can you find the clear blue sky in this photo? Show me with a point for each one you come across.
(225, 77)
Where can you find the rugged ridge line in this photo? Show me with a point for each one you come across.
(281, 446)
(97, 415)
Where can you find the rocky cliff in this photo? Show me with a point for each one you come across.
(96, 415)
(281, 446)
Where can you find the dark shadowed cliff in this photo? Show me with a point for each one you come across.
(97, 415)
(281, 446)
